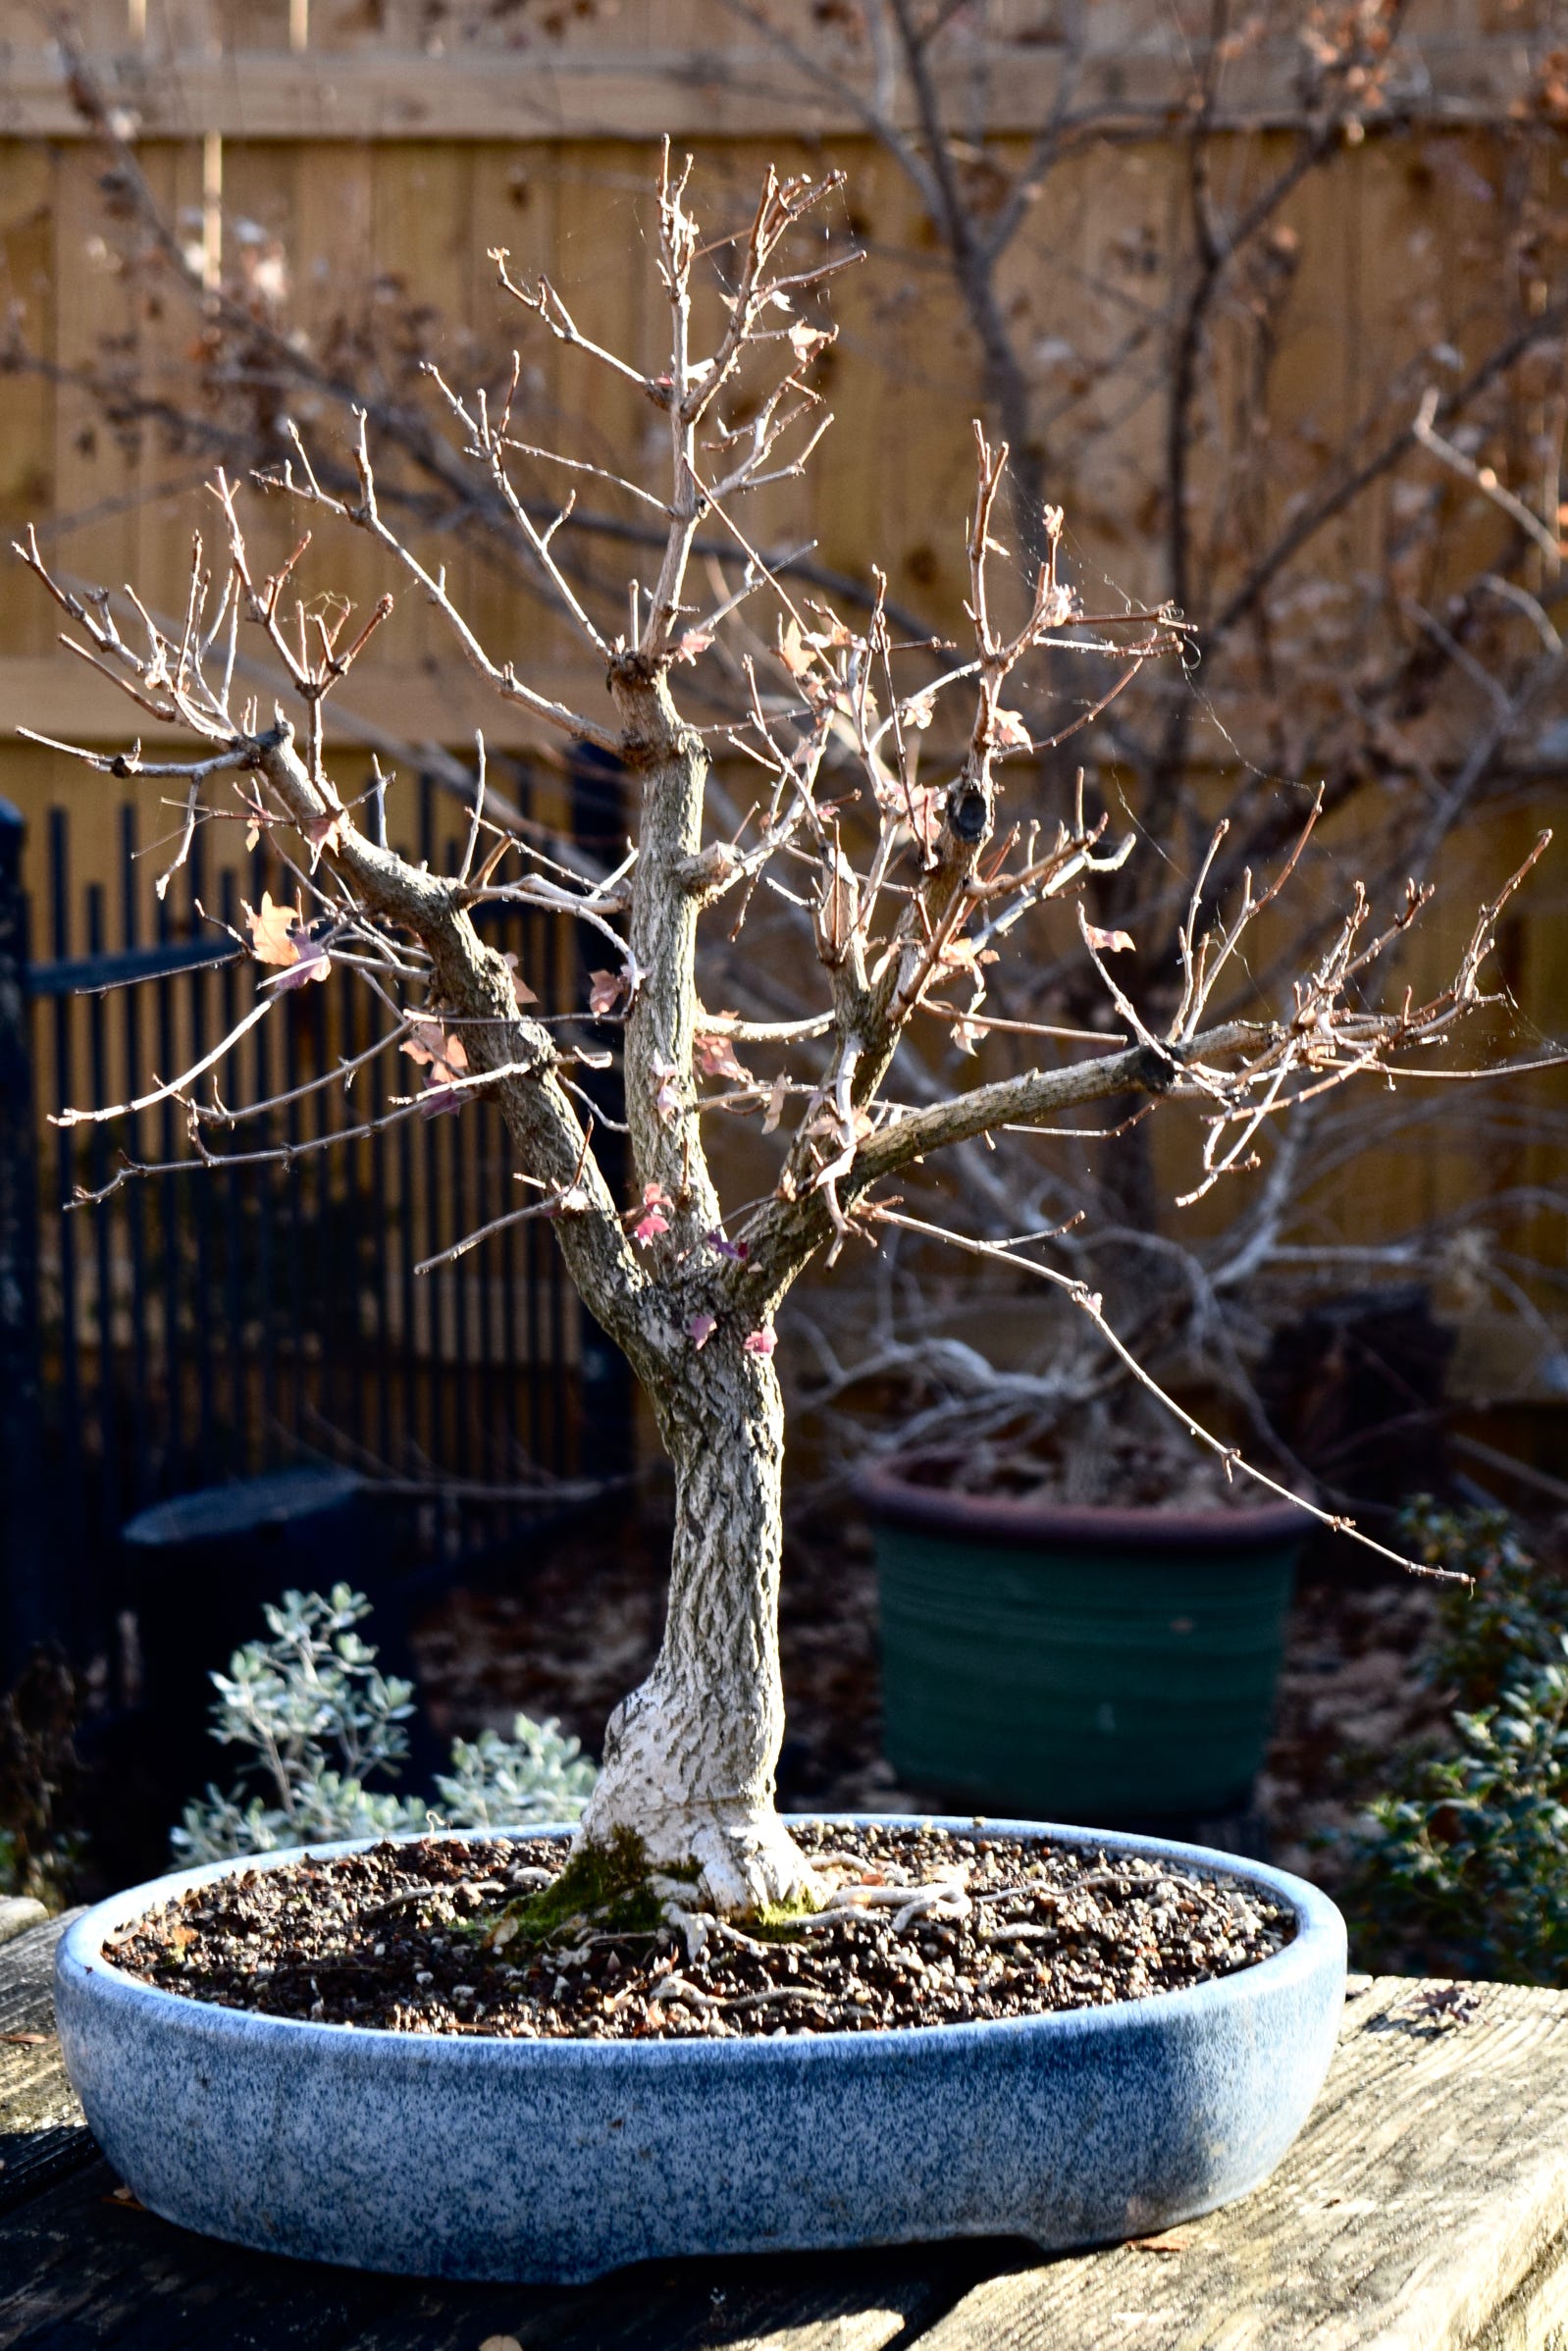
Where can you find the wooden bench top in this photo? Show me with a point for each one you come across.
(1424, 2209)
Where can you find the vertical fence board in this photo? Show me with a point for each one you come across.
(23, 1602)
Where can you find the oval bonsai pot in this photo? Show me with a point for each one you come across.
(558, 2159)
(1083, 1664)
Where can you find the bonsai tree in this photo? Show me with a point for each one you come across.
(879, 821)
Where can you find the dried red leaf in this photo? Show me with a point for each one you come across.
(667, 1091)
(715, 1056)
(313, 963)
(430, 1044)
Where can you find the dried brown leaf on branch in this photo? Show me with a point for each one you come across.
(428, 1043)
(275, 932)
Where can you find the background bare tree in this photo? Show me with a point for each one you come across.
(1366, 546)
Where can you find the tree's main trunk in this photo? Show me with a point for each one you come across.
(690, 1756)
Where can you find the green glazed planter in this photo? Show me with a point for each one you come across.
(1079, 1664)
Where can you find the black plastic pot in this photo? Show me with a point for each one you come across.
(199, 1570)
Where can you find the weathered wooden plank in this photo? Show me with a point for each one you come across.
(54, 694)
(42, 2130)
(743, 91)
(153, 2286)
(29, 2068)
(1429, 2188)
(81, 2266)
(1534, 2317)
(75, 2262)
(835, 2302)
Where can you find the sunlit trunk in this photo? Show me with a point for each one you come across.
(690, 1756)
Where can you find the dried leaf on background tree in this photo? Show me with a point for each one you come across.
(325, 834)
(521, 990)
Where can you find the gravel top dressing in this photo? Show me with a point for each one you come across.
(923, 1927)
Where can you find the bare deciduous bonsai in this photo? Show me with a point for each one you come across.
(907, 887)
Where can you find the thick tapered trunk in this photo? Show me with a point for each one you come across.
(690, 1756)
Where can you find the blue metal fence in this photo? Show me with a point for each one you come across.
(224, 1321)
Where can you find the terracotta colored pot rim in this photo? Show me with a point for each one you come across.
(890, 1496)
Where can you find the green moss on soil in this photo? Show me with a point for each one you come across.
(604, 1886)
(782, 1922)
(614, 1888)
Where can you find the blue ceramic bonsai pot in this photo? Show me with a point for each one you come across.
(558, 2159)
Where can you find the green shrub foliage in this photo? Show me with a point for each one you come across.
(318, 1721)
(1462, 1869)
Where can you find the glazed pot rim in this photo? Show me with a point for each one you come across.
(79, 1956)
(1005, 1519)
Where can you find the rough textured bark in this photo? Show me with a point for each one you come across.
(690, 1756)
(671, 766)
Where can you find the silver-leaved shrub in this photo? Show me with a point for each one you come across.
(318, 1720)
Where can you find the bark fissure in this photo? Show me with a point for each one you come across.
(690, 1756)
